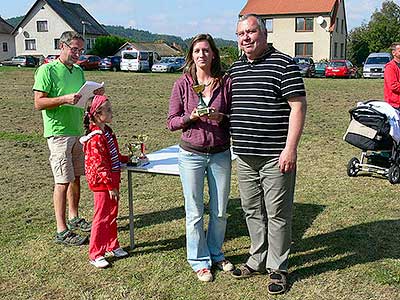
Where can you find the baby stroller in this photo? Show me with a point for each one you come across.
(369, 130)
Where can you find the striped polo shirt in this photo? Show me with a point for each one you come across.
(260, 110)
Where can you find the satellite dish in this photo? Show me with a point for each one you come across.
(320, 20)
(20, 30)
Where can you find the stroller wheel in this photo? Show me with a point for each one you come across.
(352, 167)
(394, 174)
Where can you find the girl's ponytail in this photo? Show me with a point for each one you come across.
(87, 118)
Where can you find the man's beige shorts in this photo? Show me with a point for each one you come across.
(67, 159)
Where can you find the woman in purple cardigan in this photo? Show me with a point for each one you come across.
(203, 117)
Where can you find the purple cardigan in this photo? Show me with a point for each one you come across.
(202, 135)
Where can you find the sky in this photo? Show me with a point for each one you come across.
(184, 18)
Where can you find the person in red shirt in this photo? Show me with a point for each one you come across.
(391, 89)
(103, 173)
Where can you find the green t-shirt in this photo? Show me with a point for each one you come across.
(56, 80)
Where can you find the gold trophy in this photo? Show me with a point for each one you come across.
(202, 108)
(137, 149)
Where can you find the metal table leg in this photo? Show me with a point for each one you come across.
(130, 200)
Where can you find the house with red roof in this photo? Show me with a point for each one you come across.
(316, 28)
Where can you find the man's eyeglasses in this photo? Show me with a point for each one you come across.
(74, 49)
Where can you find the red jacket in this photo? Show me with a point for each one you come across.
(391, 88)
(98, 160)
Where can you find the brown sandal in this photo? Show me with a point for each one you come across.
(278, 283)
(243, 271)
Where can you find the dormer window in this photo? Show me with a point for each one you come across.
(41, 26)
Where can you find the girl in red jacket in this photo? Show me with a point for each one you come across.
(103, 173)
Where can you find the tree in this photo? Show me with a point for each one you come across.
(384, 27)
(229, 54)
(358, 48)
(376, 36)
(107, 45)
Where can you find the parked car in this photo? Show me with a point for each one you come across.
(306, 66)
(168, 64)
(133, 60)
(110, 63)
(374, 65)
(341, 68)
(50, 58)
(320, 69)
(89, 62)
(22, 61)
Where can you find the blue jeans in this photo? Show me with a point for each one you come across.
(203, 250)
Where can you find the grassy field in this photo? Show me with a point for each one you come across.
(346, 230)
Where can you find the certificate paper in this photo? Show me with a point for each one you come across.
(86, 91)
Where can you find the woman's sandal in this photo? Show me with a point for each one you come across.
(278, 283)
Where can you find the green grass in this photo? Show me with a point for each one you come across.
(345, 234)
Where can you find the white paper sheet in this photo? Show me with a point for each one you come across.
(87, 92)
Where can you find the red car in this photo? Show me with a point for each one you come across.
(341, 68)
(50, 58)
(89, 62)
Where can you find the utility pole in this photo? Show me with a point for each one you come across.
(84, 23)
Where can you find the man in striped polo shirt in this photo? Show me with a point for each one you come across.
(268, 113)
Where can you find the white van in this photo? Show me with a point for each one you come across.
(132, 60)
(374, 65)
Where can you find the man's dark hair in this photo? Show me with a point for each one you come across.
(394, 45)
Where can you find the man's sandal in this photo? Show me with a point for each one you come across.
(278, 283)
(79, 223)
(243, 271)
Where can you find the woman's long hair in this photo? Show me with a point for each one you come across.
(216, 68)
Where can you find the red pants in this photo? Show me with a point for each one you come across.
(103, 236)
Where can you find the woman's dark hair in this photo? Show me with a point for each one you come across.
(190, 67)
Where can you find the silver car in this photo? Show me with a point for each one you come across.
(374, 65)
(168, 64)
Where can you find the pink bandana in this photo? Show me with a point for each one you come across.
(98, 101)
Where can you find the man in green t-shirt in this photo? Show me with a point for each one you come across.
(56, 91)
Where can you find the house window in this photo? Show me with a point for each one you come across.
(337, 24)
(30, 44)
(269, 25)
(335, 50)
(88, 44)
(41, 26)
(342, 50)
(304, 24)
(56, 44)
(5, 47)
(303, 49)
(342, 29)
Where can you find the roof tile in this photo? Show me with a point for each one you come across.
(283, 7)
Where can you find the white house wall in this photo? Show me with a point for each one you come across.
(284, 36)
(44, 40)
(9, 39)
(126, 47)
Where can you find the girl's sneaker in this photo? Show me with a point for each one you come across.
(100, 262)
(204, 275)
(225, 265)
(118, 253)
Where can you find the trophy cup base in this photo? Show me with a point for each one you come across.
(138, 162)
(203, 111)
